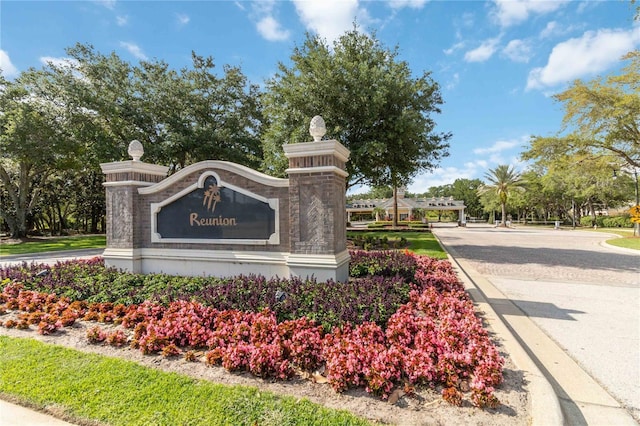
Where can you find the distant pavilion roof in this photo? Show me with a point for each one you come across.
(433, 203)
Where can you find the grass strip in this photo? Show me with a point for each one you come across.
(117, 392)
(54, 244)
(423, 243)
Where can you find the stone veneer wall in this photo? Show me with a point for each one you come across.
(318, 217)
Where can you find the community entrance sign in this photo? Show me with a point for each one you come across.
(209, 212)
(223, 219)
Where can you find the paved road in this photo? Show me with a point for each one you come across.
(584, 295)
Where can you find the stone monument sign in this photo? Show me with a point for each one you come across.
(223, 219)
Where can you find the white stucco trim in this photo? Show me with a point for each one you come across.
(221, 165)
(309, 149)
(321, 266)
(323, 169)
(219, 263)
(217, 255)
(228, 263)
(318, 260)
(128, 183)
(134, 166)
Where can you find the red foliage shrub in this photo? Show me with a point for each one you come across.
(117, 338)
(96, 335)
(49, 324)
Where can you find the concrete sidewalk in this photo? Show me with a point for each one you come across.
(17, 415)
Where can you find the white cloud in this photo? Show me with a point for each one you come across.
(553, 29)
(59, 62)
(122, 20)
(412, 4)
(499, 146)
(441, 176)
(479, 163)
(183, 19)
(483, 52)
(447, 175)
(109, 4)
(496, 158)
(262, 13)
(330, 18)
(64, 63)
(470, 170)
(134, 49)
(468, 19)
(550, 30)
(588, 55)
(8, 69)
(271, 30)
(511, 12)
(518, 50)
(455, 79)
(459, 45)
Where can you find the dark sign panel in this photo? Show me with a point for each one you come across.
(214, 212)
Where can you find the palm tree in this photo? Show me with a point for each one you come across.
(503, 179)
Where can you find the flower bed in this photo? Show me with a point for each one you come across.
(427, 335)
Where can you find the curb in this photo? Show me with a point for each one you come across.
(545, 405)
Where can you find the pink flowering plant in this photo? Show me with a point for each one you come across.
(411, 325)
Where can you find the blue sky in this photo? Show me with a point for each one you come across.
(498, 62)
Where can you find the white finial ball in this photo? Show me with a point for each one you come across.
(135, 150)
(317, 128)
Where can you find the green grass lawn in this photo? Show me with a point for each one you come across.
(423, 243)
(53, 244)
(117, 392)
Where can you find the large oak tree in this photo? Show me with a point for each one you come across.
(371, 103)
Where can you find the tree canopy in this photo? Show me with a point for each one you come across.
(370, 102)
(71, 116)
(181, 117)
(604, 114)
(34, 142)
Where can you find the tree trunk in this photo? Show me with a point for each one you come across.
(395, 206)
(62, 217)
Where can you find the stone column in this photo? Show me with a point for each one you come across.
(317, 186)
(124, 218)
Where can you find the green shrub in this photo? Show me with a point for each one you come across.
(588, 221)
(419, 225)
(376, 225)
(617, 222)
(623, 221)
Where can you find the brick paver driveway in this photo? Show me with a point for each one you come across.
(582, 294)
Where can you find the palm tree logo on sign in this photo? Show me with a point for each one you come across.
(211, 198)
